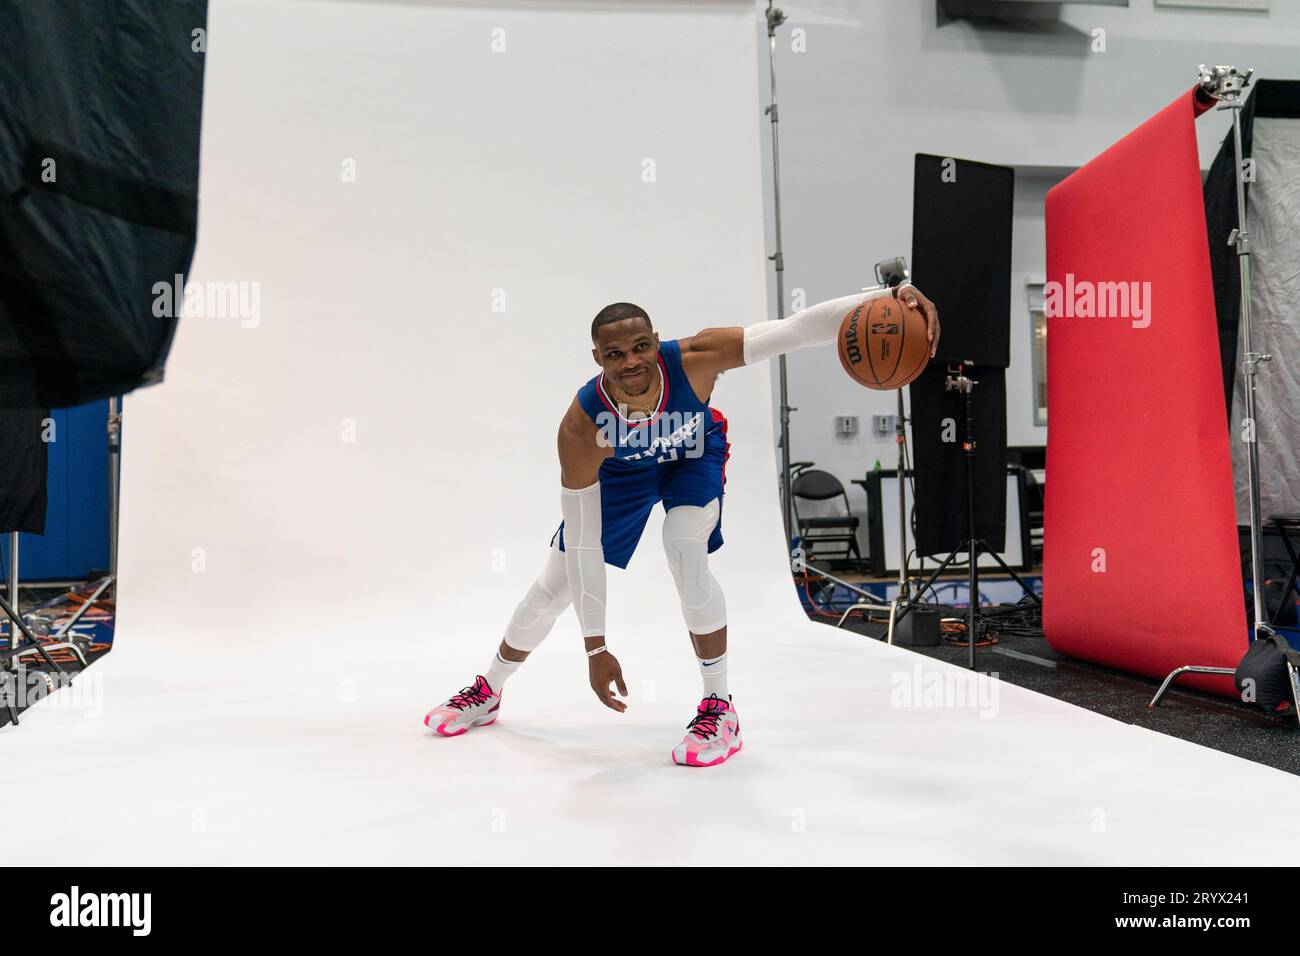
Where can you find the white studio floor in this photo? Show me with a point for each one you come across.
(333, 503)
(199, 759)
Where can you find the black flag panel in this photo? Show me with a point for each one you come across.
(25, 454)
(961, 254)
(938, 434)
(99, 151)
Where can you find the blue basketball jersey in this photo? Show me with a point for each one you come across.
(677, 429)
(677, 456)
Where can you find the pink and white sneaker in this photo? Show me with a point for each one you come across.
(474, 706)
(712, 737)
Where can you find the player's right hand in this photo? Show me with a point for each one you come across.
(605, 674)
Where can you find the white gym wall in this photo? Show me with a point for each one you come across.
(870, 83)
(330, 511)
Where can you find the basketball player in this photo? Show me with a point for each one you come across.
(641, 432)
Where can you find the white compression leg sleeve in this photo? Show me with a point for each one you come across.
(686, 542)
(545, 601)
(815, 325)
(584, 556)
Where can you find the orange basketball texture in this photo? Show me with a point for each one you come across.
(882, 343)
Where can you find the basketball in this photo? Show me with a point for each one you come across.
(883, 344)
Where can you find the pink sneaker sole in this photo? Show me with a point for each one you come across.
(442, 727)
(692, 761)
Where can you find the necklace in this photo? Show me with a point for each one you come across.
(639, 410)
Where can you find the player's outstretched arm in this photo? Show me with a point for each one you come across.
(584, 556)
(716, 350)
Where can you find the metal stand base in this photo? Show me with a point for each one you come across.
(72, 644)
(867, 602)
(12, 668)
(1228, 671)
(13, 653)
(983, 548)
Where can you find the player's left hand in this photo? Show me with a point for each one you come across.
(911, 297)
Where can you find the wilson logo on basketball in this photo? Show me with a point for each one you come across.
(851, 345)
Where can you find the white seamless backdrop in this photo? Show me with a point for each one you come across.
(329, 513)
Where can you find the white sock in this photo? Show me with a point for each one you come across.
(501, 669)
(715, 676)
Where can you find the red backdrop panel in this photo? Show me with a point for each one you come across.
(1140, 568)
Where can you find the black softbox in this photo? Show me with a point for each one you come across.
(99, 144)
(938, 431)
(961, 258)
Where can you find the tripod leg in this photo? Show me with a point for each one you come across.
(973, 574)
(929, 582)
(11, 700)
(17, 621)
(1015, 577)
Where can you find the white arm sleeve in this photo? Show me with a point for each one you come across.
(815, 325)
(584, 558)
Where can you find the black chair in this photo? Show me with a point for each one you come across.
(812, 484)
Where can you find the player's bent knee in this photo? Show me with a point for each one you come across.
(686, 523)
(686, 544)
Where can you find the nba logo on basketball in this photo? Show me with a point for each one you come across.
(883, 333)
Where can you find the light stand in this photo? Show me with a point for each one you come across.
(894, 273)
(9, 669)
(902, 599)
(958, 380)
(1227, 85)
(888, 273)
(114, 482)
(66, 638)
(75, 642)
(966, 385)
(776, 17)
(900, 437)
